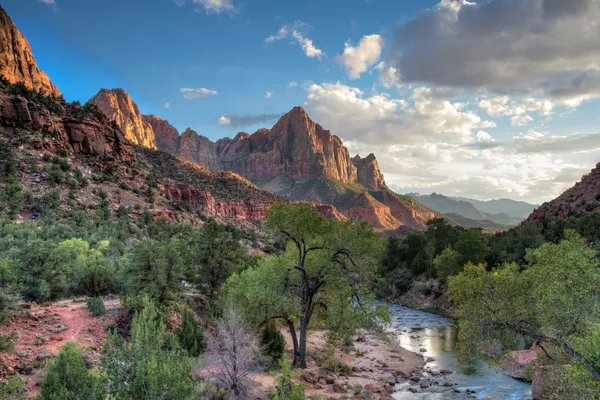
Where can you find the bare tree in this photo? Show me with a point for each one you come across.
(231, 354)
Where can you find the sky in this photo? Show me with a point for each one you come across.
(482, 98)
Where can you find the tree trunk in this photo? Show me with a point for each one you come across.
(302, 347)
(294, 342)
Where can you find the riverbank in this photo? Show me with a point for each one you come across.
(370, 371)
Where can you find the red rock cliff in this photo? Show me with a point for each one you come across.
(16, 59)
(82, 130)
(368, 173)
(165, 134)
(117, 105)
(198, 149)
(295, 146)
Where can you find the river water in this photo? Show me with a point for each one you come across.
(415, 330)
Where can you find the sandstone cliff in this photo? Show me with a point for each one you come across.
(165, 134)
(367, 172)
(295, 147)
(118, 106)
(82, 129)
(16, 59)
(198, 149)
(584, 196)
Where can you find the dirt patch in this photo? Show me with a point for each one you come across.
(43, 330)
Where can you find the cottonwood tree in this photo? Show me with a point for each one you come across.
(326, 265)
(553, 302)
(231, 353)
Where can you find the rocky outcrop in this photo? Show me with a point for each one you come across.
(584, 196)
(206, 203)
(521, 364)
(368, 173)
(366, 208)
(83, 130)
(165, 134)
(198, 149)
(16, 59)
(296, 147)
(118, 106)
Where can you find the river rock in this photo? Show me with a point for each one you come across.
(373, 388)
(422, 350)
(424, 385)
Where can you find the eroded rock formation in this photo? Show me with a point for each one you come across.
(118, 106)
(17, 63)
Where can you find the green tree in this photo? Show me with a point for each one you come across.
(215, 255)
(324, 260)
(69, 379)
(151, 365)
(448, 263)
(472, 246)
(156, 269)
(191, 334)
(554, 302)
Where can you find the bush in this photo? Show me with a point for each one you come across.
(151, 366)
(68, 378)
(96, 306)
(7, 342)
(285, 388)
(272, 344)
(13, 388)
(191, 335)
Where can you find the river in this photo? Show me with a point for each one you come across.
(416, 330)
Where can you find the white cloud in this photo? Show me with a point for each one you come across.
(215, 6)
(382, 119)
(292, 84)
(268, 95)
(224, 120)
(179, 3)
(525, 47)
(190, 93)
(538, 142)
(521, 120)
(167, 104)
(358, 59)
(238, 121)
(49, 2)
(425, 142)
(295, 31)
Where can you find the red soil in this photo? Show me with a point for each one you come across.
(43, 330)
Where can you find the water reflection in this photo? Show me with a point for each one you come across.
(437, 336)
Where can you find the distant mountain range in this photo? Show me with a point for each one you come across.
(498, 214)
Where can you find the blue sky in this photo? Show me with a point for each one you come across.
(462, 98)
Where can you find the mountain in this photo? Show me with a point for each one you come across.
(118, 106)
(17, 63)
(513, 208)
(297, 159)
(584, 196)
(486, 224)
(446, 205)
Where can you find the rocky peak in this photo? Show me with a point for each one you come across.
(17, 63)
(117, 105)
(295, 147)
(198, 150)
(367, 172)
(165, 134)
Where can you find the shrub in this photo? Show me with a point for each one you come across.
(96, 306)
(272, 344)
(68, 378)
(285, 388)
(151, 366)
(13, 388)
(7, 342)
(191, 335)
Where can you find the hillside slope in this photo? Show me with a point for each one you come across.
(583, 197)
